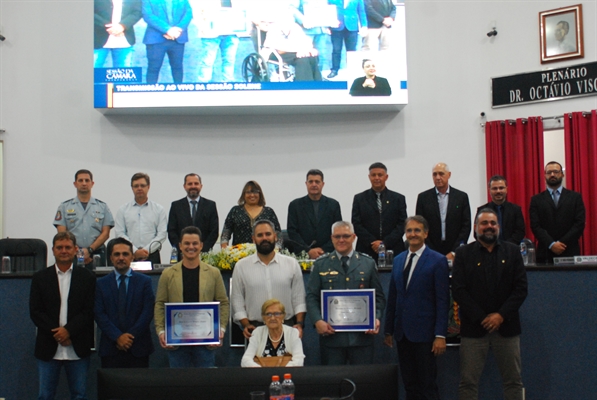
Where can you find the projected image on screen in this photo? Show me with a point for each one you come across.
(189, 53)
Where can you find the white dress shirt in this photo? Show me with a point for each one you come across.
(141, 224)
(64, 279)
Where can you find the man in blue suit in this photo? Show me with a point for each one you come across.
(351, 18)
(417, 311)
(124, 303)
(167, 23)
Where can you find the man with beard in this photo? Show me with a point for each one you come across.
(557, 217)
(123, 311)
(344, 269)
(510, 216)
(190, 281)
(263, 276)
(489, 284)
(193, 210)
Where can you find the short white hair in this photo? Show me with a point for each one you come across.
(340, 224)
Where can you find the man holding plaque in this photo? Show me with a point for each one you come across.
(417, 313)
(265, 275)
(123, 311)
(344, 269)
(190, 281)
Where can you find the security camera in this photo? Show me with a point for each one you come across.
(491, 33)
(2, 38)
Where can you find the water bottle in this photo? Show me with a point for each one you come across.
(524, 252)
(174, 255)
(80, 257)
(275, 389)
(288, 388)
(6, 268)
(381, 255)
(529, 260)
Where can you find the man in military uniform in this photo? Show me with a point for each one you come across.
(343, 269)
(88, 218)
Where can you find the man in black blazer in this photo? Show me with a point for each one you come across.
(61, 307)
(557, 217)
(510, 216)
(115, 37)
(202, 213)
(489, 284)
(124, 302)
(378, 215)
(447, 211)
(310, 218)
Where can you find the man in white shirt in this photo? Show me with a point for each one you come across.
(61, 307)
(263, 276)
(142, 222)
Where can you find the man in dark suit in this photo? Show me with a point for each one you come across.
(193, 210)
(447, 211)
(124, 303)
(378, 215)
(167, 33)
(343, 269)
(61, 307)
(115, 37)
(310, 218)
(417, 311)
(489, 283)
(557, 217)
(509, 214)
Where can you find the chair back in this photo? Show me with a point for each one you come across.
(26, 255)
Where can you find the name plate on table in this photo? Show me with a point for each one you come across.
(563, 261)
(190, 324)
(580, 260)
(349, 310)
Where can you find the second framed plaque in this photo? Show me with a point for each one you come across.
(349, 310)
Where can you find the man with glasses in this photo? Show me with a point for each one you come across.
(557, 217)
(142, 222)
(266, 275)
(343, 269)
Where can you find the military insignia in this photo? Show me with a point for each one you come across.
(333, 272)
(97, 220)
(323, 273)
(58, 216)
(70, 211)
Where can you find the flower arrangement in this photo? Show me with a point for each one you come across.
(226, 259)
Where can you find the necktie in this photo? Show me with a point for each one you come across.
(345, 264)
(194, 210)
(379, 207)
(406, 271)
(500, 216)
(122, 302)
(556, 197)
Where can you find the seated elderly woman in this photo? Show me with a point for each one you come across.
(251, 207)
(274, 339)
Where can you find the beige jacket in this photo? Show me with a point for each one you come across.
(211, 288)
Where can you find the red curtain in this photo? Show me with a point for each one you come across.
(514, 149)
(580, 135)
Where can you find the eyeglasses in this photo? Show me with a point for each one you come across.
(254, 191)
(338, 237)
(273, 314)
(139, 185)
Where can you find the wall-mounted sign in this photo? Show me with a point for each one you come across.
(547, 85)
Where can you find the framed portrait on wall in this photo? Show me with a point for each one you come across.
(561, 34)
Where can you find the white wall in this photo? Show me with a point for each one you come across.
(52, 129)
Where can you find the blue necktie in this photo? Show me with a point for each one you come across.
(122, 303)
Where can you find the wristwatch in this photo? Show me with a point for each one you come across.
(90, 250)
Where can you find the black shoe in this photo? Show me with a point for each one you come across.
(333, 74)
